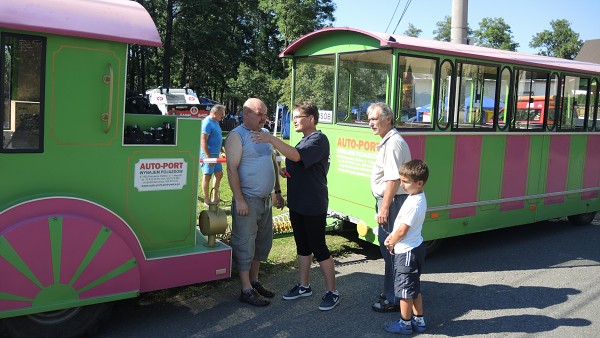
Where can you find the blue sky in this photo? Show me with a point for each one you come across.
(525, 17)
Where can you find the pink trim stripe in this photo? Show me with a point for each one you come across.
(591, 170)
(558, 167)
(516, 168)
(465, 177)
(416, 144)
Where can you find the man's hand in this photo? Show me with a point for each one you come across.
(279, 201)
(241, 207)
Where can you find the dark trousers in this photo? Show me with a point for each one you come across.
(384, 231)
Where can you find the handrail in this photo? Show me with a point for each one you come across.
(108, 79)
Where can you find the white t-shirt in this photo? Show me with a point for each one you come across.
(392, 152)
(412, 213)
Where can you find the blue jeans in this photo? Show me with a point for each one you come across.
(384, 231)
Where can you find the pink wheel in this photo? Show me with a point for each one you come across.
(55, 261)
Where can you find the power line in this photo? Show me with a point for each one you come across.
(403, 12)
(392, 18)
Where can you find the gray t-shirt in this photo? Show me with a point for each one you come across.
(256, 172)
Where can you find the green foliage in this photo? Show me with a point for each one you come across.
(495, 33)
(443, 30)
(211, 46)
(560, 42)
(413, 31)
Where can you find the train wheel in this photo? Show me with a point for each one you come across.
(582, 219)
(432, 246)
(68, 323)
(55, 262)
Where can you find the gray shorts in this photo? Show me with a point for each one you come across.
(252, 235)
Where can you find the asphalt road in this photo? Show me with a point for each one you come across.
(540, 279)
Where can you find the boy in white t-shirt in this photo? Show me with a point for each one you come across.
(406, 244)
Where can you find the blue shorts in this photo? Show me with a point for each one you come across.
(208, 169)
(408, 267)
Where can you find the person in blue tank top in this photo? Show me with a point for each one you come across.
(211, 144)
(252, 175)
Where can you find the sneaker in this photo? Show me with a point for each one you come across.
(384, 306)
(398, 326)
(418, 324)
(298, 291)
(330, 300)
(253, 298)
(262, 290)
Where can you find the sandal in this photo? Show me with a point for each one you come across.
(385, 306)
(262, 290)
(253, 298)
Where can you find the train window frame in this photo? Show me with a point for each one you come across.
(515, 103)
(594, 125)
(299, 60)
(361, 109)
(438, 95)
(28, 103)
(507, 101)
(398, 116)
(559, 113)
(458, 93)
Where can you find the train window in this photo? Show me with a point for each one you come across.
(593, 115)
(531, 104)
(572, 107)
(443, 98)
(475, 98)
(363, 78)
(416, 79)
(21, 92)
(503, 98)
(553, 95)
(314, 79)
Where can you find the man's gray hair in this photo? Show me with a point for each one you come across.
(217, 107)
(385, 109)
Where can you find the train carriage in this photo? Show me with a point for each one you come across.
(97, 204)
(493, 164)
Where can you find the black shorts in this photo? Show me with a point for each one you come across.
(407, 272)
(309, 234)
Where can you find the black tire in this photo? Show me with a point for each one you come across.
(67, 323)
(432, 246)
(582, 219)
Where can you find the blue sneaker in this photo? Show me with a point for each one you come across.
(298, 291)
(330, 300)
(398, 326)
(418, 324)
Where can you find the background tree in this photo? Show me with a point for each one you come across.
(225, 50)
(412, 31)
(561, 42)
(443, 32)
(494, 33)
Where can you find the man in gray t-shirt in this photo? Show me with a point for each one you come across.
(252, 174)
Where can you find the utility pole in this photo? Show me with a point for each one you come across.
(458, 23)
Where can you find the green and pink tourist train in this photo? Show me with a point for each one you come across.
(96, 205)
(509, 138)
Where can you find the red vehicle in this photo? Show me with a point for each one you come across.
(530, 111)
